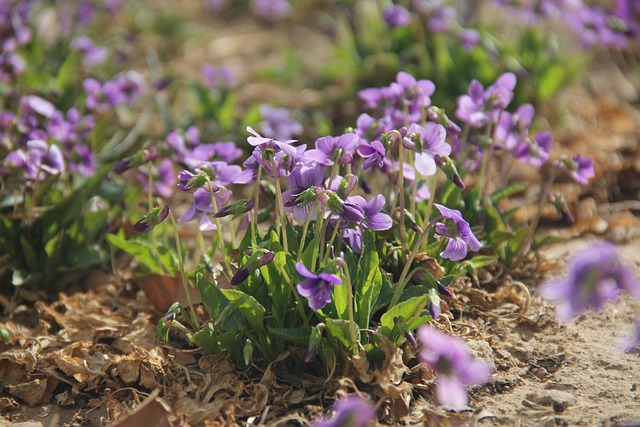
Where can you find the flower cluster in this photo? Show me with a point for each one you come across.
(614, 28)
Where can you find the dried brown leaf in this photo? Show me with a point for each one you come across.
(151, 412)
(197, 412)
(15, 365)
(34, 392)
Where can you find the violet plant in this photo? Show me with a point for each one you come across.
(55, 200)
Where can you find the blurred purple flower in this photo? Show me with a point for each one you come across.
(82, 160)
(215, 5)
(271, 10)
(534, 151)
(478, 105)
(453, 364)
(278, 123)
(396, 16)
(596, 275)
(37, 160)
(350, 411)
(164, 177)
(70, 129)
(11, 66)
(91, 54)
(316, 287)
(442, 19)
(217, 77)
(14, 29)
(469, 39)
(458, 233)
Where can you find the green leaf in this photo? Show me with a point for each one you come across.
(142, 251)
(67, 71)
(206, 338)
(4, 336)
(551, 81)
(340, 329)
(508, 191)
(406, 309)
(162, 331)
(368, 280)
(297, 335)
(518, 240)
(248, 306)
(227, 112)
(483, 260)
(212, 299)
(541, 241)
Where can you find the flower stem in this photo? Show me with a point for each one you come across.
(183, 273)
(256, 210)
(352, 321)
(402, 282)
(281, 218)
(225, 256)
(300, 304)
(400, 191)
(305, 228)
(331, 240)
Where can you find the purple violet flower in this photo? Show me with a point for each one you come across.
(202, 207)
(373, 216)
(427, 142)
(596, 275)
(303, 181)
(454, 365)
(373, 154)
(350, 411)
(580, 168)
(458, 232)
(332, 149)
(264, 143)
(316, 287)
(534, 151)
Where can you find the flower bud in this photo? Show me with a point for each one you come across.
(314, 342)
(148, 222)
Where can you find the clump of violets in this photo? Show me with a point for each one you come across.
(455, 367)
(350, 411)
(596, 277)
